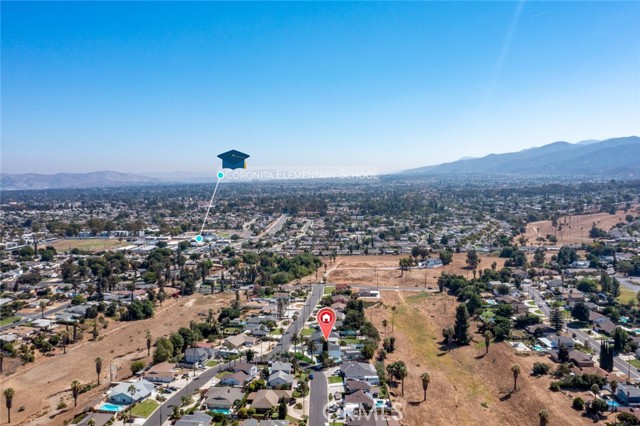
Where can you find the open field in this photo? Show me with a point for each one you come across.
(627, 295)
(575, 229)
(40, 385)
(362, 270)
(466, 388)
(89, 244)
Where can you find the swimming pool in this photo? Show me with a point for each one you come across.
(538, 348)
(380, 403)
(224, 411)
(612, 403)
(110, 408)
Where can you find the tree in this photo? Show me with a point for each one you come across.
(473, 260)
(448, 333)
(385, 323)
(393, 318)
(544, 417)
(43, 306)
(556, 319)
(620, 338)
(164, 350)
(426, 379)
(282, 409)
(310, 345)
(538, 257)
(580, 311)
(487, 341)
(446, 256)
(461, 326)
(75, 391)
(132, 391)
(614, 289)
(515, 370)
(149, 342)
(8, 399)
(137, 366)
(614, 386)
(64, 340)
(401, 373)
(249, 355)
(98, 368)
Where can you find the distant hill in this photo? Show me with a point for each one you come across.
(619, 157)
(72, 180)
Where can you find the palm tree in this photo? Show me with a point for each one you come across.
(75, 391)
(544, 417)
(65, 340)
(385, 323)
(310, 345)
(8, 397)
(295, 339)
(132, 391)
(43, 306)
(487, 341)
(614, 387)
(149, 341)
(401, 373)
(393, 318)
(426, 379)
(98, 368)
(515, 369)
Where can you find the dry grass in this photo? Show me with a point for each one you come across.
(575, 229)
(466, 388)
(362, 270)
(40, 385)
(93, 244)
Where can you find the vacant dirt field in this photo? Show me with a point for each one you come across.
(466, 387)
(362, 270)
(93, 244)
(40, 385)
(575, 229)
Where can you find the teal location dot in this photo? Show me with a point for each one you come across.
(199, 238)
(220, 175)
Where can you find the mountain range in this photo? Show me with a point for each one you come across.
(73, 180)
(617, 157)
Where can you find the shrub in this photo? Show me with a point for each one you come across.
(578, 404)
(555, 386)
(540, 369)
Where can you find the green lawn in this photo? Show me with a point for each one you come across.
(306, 332)
(626, 295)
(301, 357)
(329, 290)
(8, 320)
(635, 363)
(212, 363)
(351, 341)
(335, 379)
(276, 332)
(144, 409)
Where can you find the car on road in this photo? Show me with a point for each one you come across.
(310, 376)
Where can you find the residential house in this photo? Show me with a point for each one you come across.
(360, 371)
(238, 379)
(239, 341)
(628, 395)
(197, 355)
(281, 366)
(164, 372)
(222, 398)
(196, 419)
(122, 393)
(249, 369)
(280, 379)
(607, 327)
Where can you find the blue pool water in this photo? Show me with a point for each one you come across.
(612, 403)
(224, 411)
(624, 320)
(112, 408)
(538, 348)
(379, 403)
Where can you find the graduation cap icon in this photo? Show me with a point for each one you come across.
(233, 160)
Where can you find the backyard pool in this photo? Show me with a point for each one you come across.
(538, 348)
(612, 404)
(380, 403)
(111, 408)
(224, 411)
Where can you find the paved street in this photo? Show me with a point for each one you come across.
(319, 399)
(162, 413)
(584, 338)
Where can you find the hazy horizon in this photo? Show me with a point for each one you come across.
(164, 87)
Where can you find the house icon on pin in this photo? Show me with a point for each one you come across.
(326, 318)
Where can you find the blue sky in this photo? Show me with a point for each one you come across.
(141, 87)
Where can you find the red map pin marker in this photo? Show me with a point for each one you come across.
(326, 320)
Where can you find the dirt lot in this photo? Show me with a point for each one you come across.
(40, 385)
(466, 388)
(575, 229)
(93, 244)
(362, 270)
